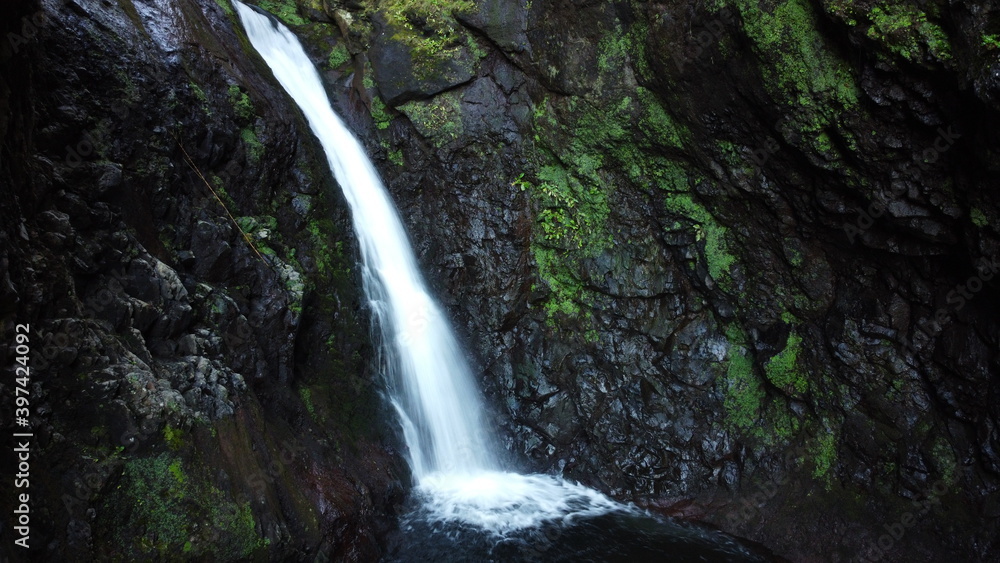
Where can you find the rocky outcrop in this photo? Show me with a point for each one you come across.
(199, 383)
(733, 262)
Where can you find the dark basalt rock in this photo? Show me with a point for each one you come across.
(185, 398)
(786, 304)
(853, 246)
(403, 74)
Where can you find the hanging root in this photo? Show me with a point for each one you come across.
(194, 167)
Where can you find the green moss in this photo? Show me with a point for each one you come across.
(177, 471)
(477, 51)
(991, 42)
(779, 423)
(619, 49)
(339, 56)
(436, 13)
(905, 30)
(800, 69)
(572, 193)
(168, 510)
(130, 93)
(396, 157)
(379, 113)
(259, 226)
(748, 408)
(328, 255)
(718, 258)
(783, 369)
(612, 51)
(572, 224)
(978, 217)
(198, 92)
(793, 252)
(438, 119)
(659, 127)
(255, 150)
(824, 454)
(220, 190)
(427, 27)
(803, 63)
(241, 103)
(285, 10)
(200, 95)
(173, 437)
(742, 390)
(944, 460)
(226, 8)
(306, 396)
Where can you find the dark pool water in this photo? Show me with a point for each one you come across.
(621, 536)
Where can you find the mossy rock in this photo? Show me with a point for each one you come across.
(410, 66)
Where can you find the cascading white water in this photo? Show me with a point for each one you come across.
(451, 454)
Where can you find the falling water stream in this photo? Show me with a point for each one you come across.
(466, 505)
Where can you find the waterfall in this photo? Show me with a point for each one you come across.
(431, 386)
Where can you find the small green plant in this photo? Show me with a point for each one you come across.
(338, 56)
(825, 455)
(241, 102)
(379, 113)
(173, 437)
(718, 257)
(438, 119)
(520, 183)
(978, 217)
(255, 149)
(306, 395)
(783, 368)
(200, 94)
(991, 42)
(742, 391)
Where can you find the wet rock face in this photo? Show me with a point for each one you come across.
(198, 342)
(734, 263)
(721, 259)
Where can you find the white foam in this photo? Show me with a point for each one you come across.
(502, 502)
